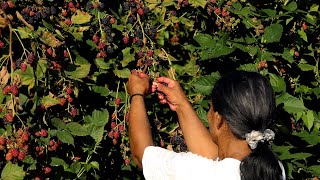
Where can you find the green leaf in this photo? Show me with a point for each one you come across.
(272, 33)
(308, 119)
(280, 99)
(122, 73)
(12, 172)
(80, 17)
(47, 25)
(91, 43)
(48, 38)
(65, 137)
(204, 84)
(49, 100)
(315, 169)
(270, 12)
(41, 68)
(24, 32)
(218, 51)
(127, 56)
(311, 138)
(303, 34)
(27, 77)
(248, 67)
(102, 64)
(103, 91)
(306, 67)
(205, 40)
(58, 123)
(98, 118)
(299, 156)
(95, 164)
(77, 129)
(97, 133)
(292, 6)
(277, 82)
(294, 105)
(197, 3)
(58, 162)
(80, 69)
(287, 55)
(314, 8)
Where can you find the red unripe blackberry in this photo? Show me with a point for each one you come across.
(9, 156)
(140, 11)
(118, 101)
(1, 44)
(69, 90)
(2, 140)
(125, 39)
(116, 134)
(8, 117)
(70, 99)
(150, 53)
(127, 161)
(14, 90)
(74, 112)
(113, 124)
(71, 5)
(43, 133)
(14, 152)
(6, 90)
(62, 101)
(296, 53)
(121, 128)
(23, 67)
(304, 26)
(95, 38)
(47, 170)
(112, 20)
(21, 156)
(114, 141)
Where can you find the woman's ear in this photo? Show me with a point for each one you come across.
(218, 120)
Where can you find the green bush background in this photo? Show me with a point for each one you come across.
(90, 47)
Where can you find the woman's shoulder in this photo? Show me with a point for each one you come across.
(188, 165)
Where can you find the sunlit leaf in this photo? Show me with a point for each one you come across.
(12, 172)
(80, 17)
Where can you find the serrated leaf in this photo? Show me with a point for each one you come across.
(80, 17)
(102, 64)
(308, 119)
(122, 73)
(294, 105)
(277, 82)
(205, 40)
(218, 51)
(311, 138)
(12, 172)
(204, 84)
(49, 100)
(97, 133)
(95, 164)
(292, 6)
(306, 67)
(127, 56)
(48, 38)
(248, 67)
(303, 34)
(315, 169)
(77, 129)
(65, 137)
(58, 123)
(98, 118)
(300, 156)
(80, 69)
(41, 68)
(24, 32)
(287, 55)
(197, 3)
(103, 91)
(202, 115)
(27, 77)
(58, 162)
(273, 33)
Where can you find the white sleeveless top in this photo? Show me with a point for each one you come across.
(161, 164)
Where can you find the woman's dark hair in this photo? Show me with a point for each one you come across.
(246, 102)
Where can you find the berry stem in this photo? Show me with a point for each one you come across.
(23, 47)
(141, 26)
(70, 55)
(170, 63)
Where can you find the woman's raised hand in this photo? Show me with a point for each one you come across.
(138, 83)
(170, 92)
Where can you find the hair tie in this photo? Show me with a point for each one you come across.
(254, 137)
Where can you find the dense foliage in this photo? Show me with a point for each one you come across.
(64, 65)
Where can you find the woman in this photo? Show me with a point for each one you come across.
(236, 145)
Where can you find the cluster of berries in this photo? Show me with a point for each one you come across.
(16, 147)
(13, 89)
(67, 97)
(7, 4)
(116, 130)
(179, 144)
(221, 15)
(104, 43)
(95, 5)
(68, 9)
(34, 14)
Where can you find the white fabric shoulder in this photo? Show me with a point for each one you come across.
(162, 164)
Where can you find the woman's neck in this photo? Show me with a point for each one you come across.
(232, 147)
